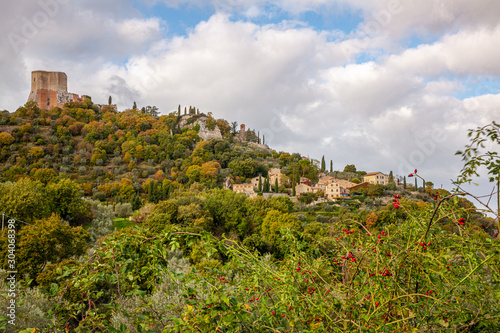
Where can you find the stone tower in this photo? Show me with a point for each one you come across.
(50, 89)
(242, 132)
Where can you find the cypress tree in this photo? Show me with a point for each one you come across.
(294, 193)
(404, 182)
(151, 192)
(179, 110)
(416, 185)
(259, 188)
(323, 165)
(135, 105)
(331, 166)
(161, 192)
(276, 185)
(110, 100)
(136, 202)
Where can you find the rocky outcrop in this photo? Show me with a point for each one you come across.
(191, 121)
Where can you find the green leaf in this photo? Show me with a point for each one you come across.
(53, 289)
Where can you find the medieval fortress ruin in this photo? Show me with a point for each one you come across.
(50, 89)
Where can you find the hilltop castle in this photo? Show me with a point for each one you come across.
(50, 89)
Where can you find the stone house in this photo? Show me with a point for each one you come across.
(302, 188)
(274, 173)
(255, 182)
(244, 188)
(334, 191)
(376, 178)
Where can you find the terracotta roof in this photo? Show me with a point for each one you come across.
(356, 185)
(372, 174)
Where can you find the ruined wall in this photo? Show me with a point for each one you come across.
(50, 89)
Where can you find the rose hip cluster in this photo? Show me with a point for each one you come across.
(395, 201)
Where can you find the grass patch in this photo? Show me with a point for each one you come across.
(120, 223)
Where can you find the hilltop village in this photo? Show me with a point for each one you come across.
(327, 188)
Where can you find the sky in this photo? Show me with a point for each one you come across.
(387, 85)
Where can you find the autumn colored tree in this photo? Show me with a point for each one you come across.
(25, 200)
(45, 176)
(48, 240)
(275, 222)
(282, 203)
(224, 127)
(6, 139)
(66, 199)
(194, 173)
(165, 212)
(36, 152)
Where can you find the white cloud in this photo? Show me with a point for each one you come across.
(136, 31)
(464, 53)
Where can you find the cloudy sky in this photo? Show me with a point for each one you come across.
(382, 84)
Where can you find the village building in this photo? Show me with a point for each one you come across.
(334, 191)
(244, 188)
(304, 180)
(326, 180)
(344, 183)
(302, 188)
(274, 173)
(318, 187)
(255, 182)
(376, 178)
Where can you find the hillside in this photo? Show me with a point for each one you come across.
(189, 253)
(95, 146)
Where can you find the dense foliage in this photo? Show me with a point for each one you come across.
(198, 258)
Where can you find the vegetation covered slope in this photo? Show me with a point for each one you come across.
(203, 259)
